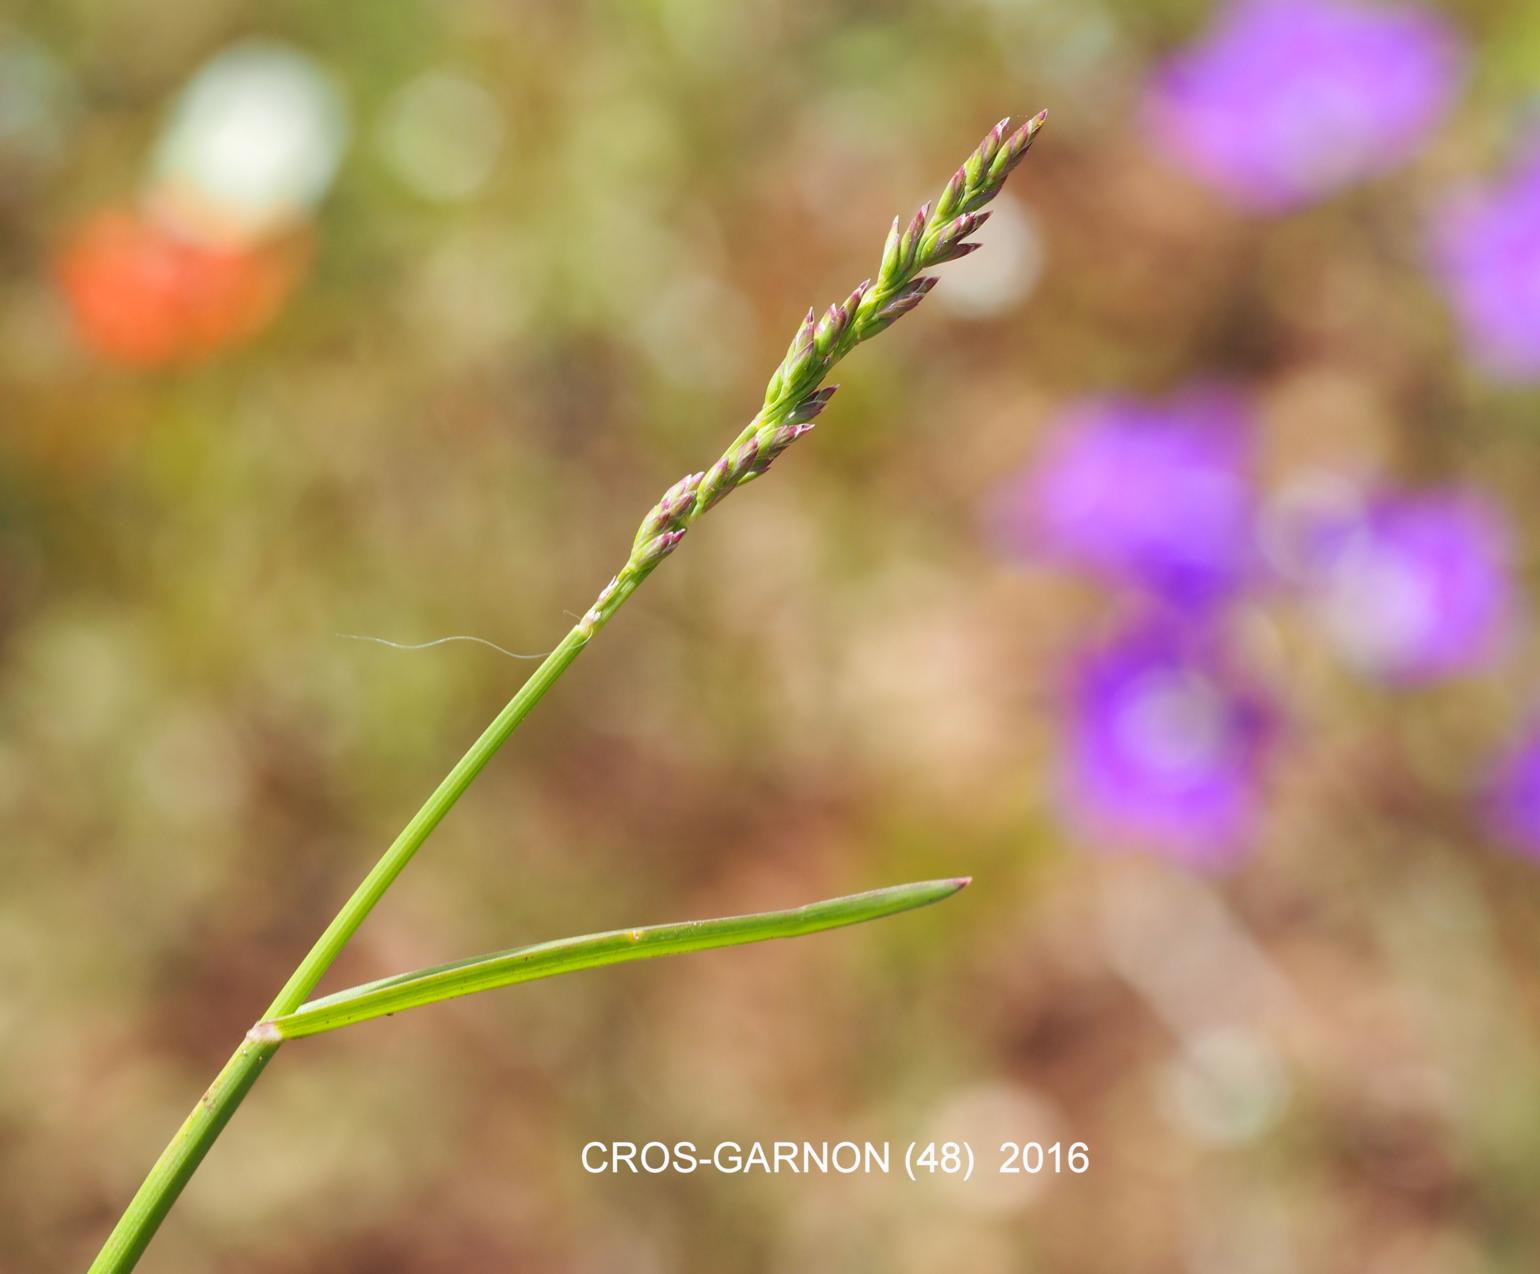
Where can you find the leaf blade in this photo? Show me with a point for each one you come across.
(497, 969)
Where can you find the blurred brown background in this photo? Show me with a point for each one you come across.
(522, 307)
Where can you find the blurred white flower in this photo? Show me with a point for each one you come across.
(254, 139)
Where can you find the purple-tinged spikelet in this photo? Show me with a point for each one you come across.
(742, 458)
(675, 504)
(949, 199)
(909, 296)
(977, 164)
(656, 549)
(777, 442)
(1012, 152)
(806, 411)
(829, 328)
(717, 483)
(955, 254)
(800, 359)
(891, 253)
(912, 235)
(832, 326)
(946, 242)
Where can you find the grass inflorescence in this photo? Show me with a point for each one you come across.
(796, 395)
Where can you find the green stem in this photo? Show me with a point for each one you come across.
(181, 1157)
(384, 872)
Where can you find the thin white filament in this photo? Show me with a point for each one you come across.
(438, 641)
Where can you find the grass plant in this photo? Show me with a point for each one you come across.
(795, 396)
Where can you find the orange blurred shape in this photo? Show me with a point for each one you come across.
(146, 296)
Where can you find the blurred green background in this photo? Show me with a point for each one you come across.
(517, 320)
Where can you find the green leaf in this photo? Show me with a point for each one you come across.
(590, 951)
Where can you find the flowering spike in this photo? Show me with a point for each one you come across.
(934, 234)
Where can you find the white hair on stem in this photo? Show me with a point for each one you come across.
(438, 641)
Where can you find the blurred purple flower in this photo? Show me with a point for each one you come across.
(1166, 748)
(1159, 494)
(1487, 249)
(1513, 795)
(1288, 100)
(1416, 588)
